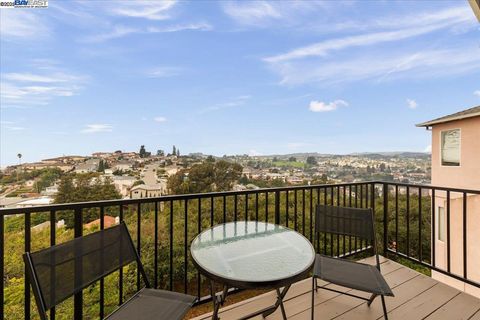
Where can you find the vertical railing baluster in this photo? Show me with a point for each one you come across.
(465, 235)
(350, 195)
(361, 196)
(53, 230)
(212, 209)
(295, 210)
(317, 234)
(170, 269)
(185, 245)
(102, 282)
(266, 206)
(408, 221)
(235, 207)
(420, 243)
(155, 258)
(303, 211)
(344, 195)
(256, 206)
(311, 215)
(246, 206)
(356, 196)
(434, 240)
(120, 271)
(448, 231)
(26, 280)
(139, 248)
(385, 218)
(286, 208)
(199, 229)
(396, 218)
(78, 297)
(224, 209)
(277, 207)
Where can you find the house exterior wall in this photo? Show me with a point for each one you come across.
(464, 176)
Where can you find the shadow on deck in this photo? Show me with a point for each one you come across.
(416, 297)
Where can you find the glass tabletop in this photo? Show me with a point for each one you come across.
(252, 252)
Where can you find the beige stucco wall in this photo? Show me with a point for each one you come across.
(465, 176)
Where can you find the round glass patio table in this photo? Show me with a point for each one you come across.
(252, 254)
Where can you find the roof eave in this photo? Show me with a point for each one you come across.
(439, 121)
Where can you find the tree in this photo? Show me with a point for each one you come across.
(292, 159)
(101, 166)
(160, 152)
(311, 160)
(142, 151)
(174, 150)
(206, 177)
(84, 187)
(178, 152)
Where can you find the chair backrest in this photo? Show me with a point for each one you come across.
(355, 222)
(59, 272)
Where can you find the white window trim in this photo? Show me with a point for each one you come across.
(459, 147)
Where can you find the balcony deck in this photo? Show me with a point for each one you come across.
(416, 297)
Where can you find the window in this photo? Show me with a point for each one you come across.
(450, 147)
(441, 223)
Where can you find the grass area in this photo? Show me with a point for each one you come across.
(293, 164)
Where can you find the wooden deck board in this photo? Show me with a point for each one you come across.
(416, 297)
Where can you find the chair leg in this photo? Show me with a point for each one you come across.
(371, 299)
(384, 308)
(314, 288)
(316, 284)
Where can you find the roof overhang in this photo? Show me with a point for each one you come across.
(475, 4)
(449, 119)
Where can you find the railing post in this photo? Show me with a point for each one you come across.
(385, 218)
(277, 207)
(78, 298)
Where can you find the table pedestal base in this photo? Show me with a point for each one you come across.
(218, 300)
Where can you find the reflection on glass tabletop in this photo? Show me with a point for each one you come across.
(252, 251)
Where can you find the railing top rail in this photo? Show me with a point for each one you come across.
(166, 198)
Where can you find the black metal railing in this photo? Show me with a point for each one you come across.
(164, 226)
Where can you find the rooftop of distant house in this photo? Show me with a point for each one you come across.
(468, 113)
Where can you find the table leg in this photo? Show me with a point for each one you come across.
(217, 300)
(279, 302)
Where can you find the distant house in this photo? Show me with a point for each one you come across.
(147, 191)
(124, 165)
(456, 164)
(41, 201)
(91, 165)
(123, 184)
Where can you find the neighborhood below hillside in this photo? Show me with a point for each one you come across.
(143, 174)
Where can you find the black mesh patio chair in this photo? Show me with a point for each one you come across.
(350, 222)
(59, 272)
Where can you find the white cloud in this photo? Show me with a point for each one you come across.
(20, 24)
(151, 10)
(97, 127)
(164, 72)
(201, 26)
(10, 125)
(319, 106)
(381, 66)
(116, 32)
(477, 93)
(38, 87)
(160, 119)
(428, 149)
(234, 102)
(412, 104)
(251, 12)
(321, 49)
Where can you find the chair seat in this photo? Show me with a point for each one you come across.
(351, 274)
(154, 304)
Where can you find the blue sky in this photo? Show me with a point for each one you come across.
(232, 77)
